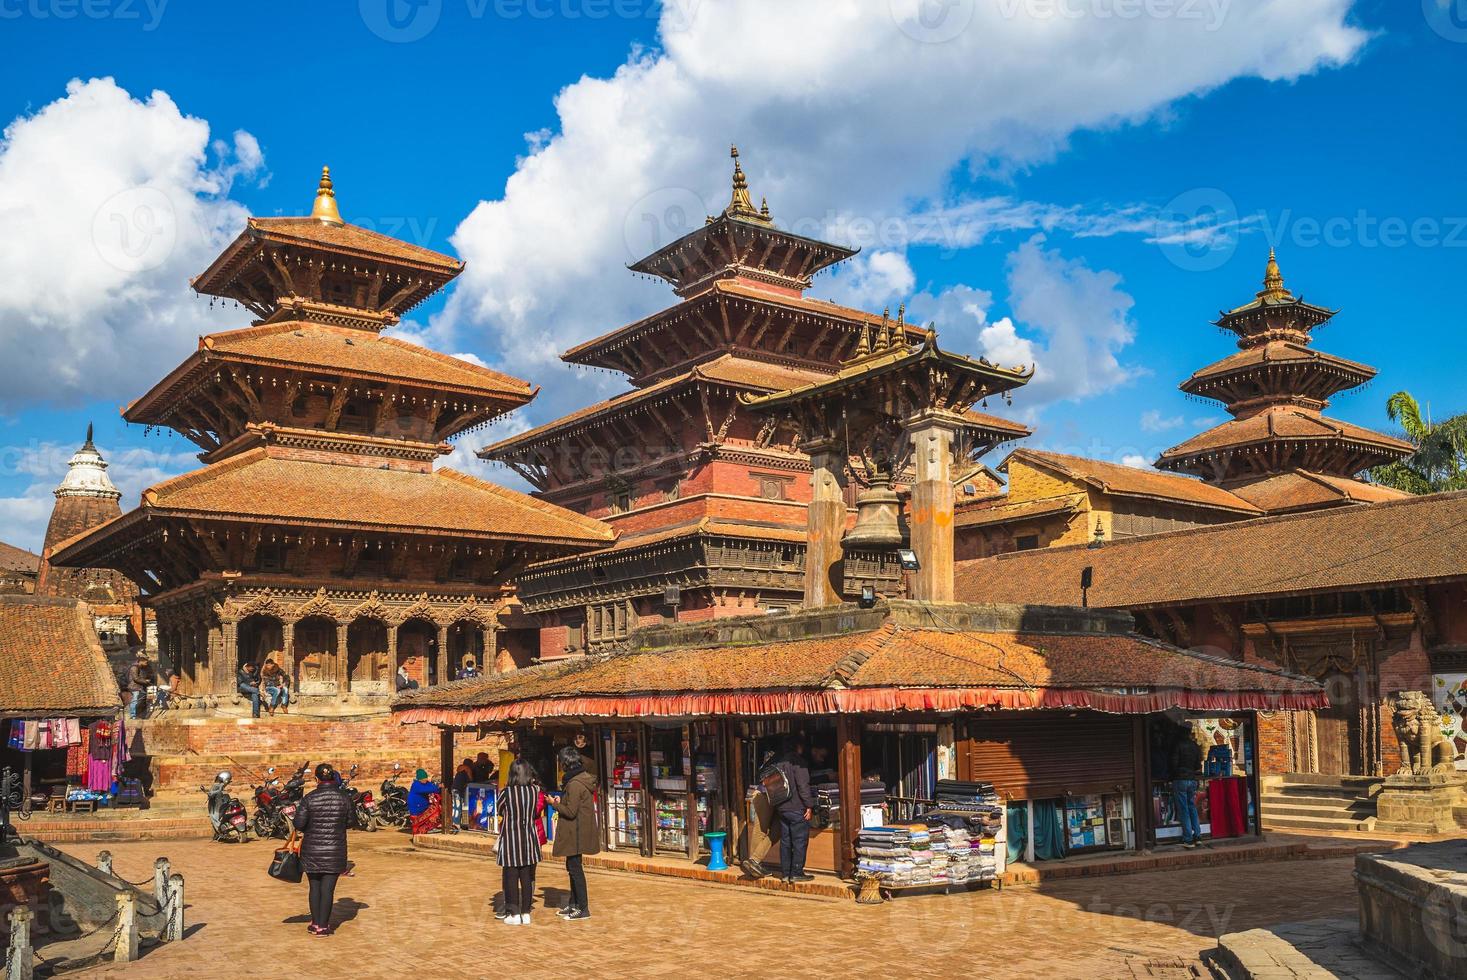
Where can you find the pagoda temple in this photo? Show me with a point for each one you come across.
(318, 532)
(709, 497)
(1279, 451)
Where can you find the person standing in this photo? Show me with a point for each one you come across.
(483, 768)
(1186, 771)
(576, 832)
(140, 677)
(519, 844)
(247, 682)
(795, 812)
(322, 816)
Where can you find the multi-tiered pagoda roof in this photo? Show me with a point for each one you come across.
(1279, 443)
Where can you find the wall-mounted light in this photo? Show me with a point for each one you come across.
(908, 558)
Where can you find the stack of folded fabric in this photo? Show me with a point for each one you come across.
(887, 853)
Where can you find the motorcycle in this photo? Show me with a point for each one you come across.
(392, 810)
(363, 806)
(226, 814)
(275, 803)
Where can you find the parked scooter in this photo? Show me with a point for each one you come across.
(363, 806)
(275, 802)
(392, 809)
(226, 814)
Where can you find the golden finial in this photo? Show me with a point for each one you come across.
(1273, 280)
(764, 208)
(740, 204)
(324, 209)
(863, 345)
(899, 331)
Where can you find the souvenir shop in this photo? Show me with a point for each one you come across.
(1227, 793)
(71, 764)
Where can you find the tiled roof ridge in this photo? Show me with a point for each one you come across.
(1222, 661)
(508, 380)
(1308, 352)
(1273, 519)
(1060, 461)
(844, 669)
(150, 496)
(591, 524)
(280, 223)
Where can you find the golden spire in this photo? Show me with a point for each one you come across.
(899, 329)
(324, 209)
(741, 205)
(1273, 280)
(863, 345)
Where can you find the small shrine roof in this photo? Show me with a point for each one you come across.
(1279, 352)
(13, 559)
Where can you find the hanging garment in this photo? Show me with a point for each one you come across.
(103, 735)
(99, 775)
(67, 732)
(31, 736)
(17, 735)
(1227, 800)
(76, 762)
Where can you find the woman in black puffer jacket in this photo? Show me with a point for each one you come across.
(322, 817)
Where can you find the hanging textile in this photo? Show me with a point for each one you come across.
(102, 755)
(1018, 836)
(1049, 830)
(17, 735)
(1227, 805)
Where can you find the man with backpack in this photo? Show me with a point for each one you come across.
(795, 809)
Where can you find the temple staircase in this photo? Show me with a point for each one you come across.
(1313, 801)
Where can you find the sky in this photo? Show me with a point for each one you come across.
(1076, 184)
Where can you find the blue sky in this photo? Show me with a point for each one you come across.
(1024, 178)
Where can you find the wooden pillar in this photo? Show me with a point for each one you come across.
(491, 650)
(287, 653)
(932, 504)
(343, 661)
(824, 557)
(220, 669)
(442, 656)
(848, 774)
(445, 765)
(649, 821)
(392, 650)
(690, 822)
(1142, 809)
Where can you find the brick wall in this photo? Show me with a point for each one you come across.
(1274, 756)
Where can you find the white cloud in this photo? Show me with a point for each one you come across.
(1136, 460)
(108, 204)
(847, 116)
(1153, 421)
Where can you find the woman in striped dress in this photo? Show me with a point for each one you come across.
(519, 843)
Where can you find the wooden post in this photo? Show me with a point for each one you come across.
(343, 659)
(1142, 807)
(848, 774)
(932, 504)
(690, 822)
(173, 930)
(125, 950)
(490, 664)
(649, 828)
(19, 958)
(824, 557)
(1255, 780)
(161, 870)
(445, 762)
(287, 641)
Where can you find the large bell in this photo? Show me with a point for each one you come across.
(878, 509)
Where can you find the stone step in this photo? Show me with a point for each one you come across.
(1322, 802)
(1320, 791)
(1343, 813)
(1324, 779)
(1316, 823)
(104, 831)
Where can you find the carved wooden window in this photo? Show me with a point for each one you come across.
(1026, 542)
(621, 501)
(354, 417)
(270, 558)
(461, 569)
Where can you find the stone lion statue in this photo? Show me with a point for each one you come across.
(1418, 729)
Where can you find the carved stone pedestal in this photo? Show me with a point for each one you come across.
(1419, 804)
(1413, 908)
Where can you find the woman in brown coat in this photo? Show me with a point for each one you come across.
(576, 831)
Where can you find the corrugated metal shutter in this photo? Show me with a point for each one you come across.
(1045, 754)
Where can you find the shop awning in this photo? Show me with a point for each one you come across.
(890, 669)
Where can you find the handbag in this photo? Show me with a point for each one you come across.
(286, 864)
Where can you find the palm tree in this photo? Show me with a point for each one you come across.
(1440, 460)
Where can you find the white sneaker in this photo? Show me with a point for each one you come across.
(525, 919)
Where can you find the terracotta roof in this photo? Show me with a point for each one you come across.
(997, 511)
(1132, 481)
(1302, 490)
(1280, 352)
(1282, 422)
(13, 559)
(351, 239)
(893, 667)
(1415, 539)
(584, 352)
(258, 486)
(729, 369)
(51, 661)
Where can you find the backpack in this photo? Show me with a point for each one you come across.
(774, 783)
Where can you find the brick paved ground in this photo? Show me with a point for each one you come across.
(434, 908)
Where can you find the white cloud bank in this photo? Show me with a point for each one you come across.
(853, 117)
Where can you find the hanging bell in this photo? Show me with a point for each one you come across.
(878, 509)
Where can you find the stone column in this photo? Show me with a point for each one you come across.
(932, 504)
(824, 557)
(343, 661)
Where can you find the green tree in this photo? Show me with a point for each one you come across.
(1440, 460)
